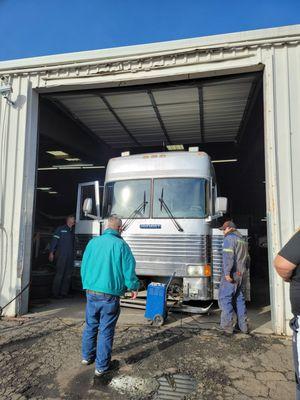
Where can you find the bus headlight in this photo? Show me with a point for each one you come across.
(199, 270)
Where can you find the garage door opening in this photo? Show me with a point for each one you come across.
(80, 131)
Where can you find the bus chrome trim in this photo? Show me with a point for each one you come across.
(161, 255)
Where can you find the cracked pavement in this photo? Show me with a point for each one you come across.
(40, 359)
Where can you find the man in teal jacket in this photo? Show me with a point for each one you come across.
(107, 270)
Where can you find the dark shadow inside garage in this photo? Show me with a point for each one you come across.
(80, 131)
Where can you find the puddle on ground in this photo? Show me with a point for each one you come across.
(174, 386)
(125, 384)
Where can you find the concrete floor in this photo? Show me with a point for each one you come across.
(40, 358)
(73, 310)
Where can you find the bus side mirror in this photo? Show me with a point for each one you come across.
(87, 206)
(221, 205)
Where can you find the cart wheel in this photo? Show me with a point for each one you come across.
(158, 320)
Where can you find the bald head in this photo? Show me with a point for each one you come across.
(114, 222)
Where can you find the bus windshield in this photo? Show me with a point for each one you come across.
(185, 197)
(125, 197)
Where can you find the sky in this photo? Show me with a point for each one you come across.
(30, 28)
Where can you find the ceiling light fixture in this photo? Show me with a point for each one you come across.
(95, 167)
(67, 166)
(174, 147)
(224, 161)
(57, 153)
(71, 167)
(44, 189)
(194, 149)
(53, 192)
(73, 159)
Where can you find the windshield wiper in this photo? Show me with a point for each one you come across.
(168, 211)
(133, 215)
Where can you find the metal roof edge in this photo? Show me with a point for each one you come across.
(244, 38)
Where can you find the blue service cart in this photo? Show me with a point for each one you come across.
(156, 304)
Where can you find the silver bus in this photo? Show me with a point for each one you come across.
(168, 202)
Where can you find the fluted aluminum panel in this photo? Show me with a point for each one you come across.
(161, 255)
(216, 258)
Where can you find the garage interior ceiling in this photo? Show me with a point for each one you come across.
(191, 112)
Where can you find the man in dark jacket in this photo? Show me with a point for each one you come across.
(232, 285)
(62, 249)
(287, 264)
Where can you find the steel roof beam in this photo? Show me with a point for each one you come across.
(158, 116)
(109, 107)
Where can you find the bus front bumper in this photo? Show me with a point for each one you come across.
(197, 288)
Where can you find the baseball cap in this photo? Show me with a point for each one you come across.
(227, 224)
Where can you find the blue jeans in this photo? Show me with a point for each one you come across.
(232, 300)
(102, 313)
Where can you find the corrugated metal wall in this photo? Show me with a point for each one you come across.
(282, 137)
(18, 128)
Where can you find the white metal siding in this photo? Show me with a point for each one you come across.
(18, 151)
(282, 133)
(277, 50)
